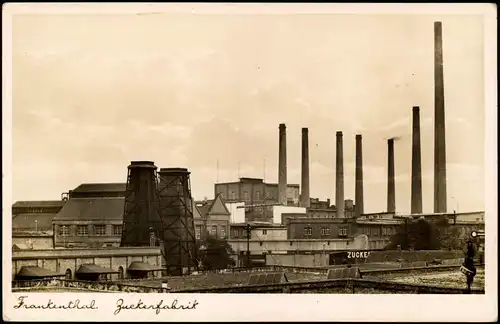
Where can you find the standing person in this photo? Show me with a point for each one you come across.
(469, 264)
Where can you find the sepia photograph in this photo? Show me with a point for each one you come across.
(189, 150)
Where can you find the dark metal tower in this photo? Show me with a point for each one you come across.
(177, 223)
(141, 212)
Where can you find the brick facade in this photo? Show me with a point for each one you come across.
(254, 191)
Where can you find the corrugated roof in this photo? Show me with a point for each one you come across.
(24, 222)
(92, 209)
(100, 187)
(36, 272)
(142, 266)
(38, 203)
(94, 268)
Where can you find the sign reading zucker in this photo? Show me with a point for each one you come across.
(357, 255)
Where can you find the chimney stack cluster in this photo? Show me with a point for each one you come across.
(305, 179)
(416, 164)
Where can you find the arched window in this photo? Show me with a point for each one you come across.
(120, 273)
(68, 274)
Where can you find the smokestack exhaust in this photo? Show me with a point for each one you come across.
(339, 177)
(359, 203)
(282, 185)
(439, 124)
(416, 165)
(305, 194)
(391, 187)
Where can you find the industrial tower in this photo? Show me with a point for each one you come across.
(176, 214)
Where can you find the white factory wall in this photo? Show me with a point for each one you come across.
(299, 260)
(237, 214)
(269, 233)
(285, 246)
(278, 210)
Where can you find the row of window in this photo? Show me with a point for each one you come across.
(246, 195)
(213, 231)
(242, 233)
(374, 231)
(325, 231)
(34, 210)
(83, 230)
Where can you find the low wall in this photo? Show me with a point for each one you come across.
(407, 271)
(412, 256)
(337, 286)
(347, 286)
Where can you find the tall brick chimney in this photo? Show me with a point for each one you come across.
(391, 187)
(305, 200)
(416, 165)
(439, 124)
(358, 203)
(339, 177)
(282, 184)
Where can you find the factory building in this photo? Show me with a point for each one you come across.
(254, 191)
(32, 223)
(87, 263)
(314, 228)
(211, 217)
(91, 217)
(315, 203)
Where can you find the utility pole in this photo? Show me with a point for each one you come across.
(248, 230)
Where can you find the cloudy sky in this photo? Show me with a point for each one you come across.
(92, 93)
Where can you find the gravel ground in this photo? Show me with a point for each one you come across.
(453, 279)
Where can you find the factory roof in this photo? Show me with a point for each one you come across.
(36, 272)
(259, 180)
(212, 207)
(288, 185)
(196, 212)
(32, 222)
(90, 268)
(100, 187)
(92, 209)
(381, 221)
(143, 266)
(203, 207)
(38, 203)
(218, 207)
(21, 246)
(257, 224)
